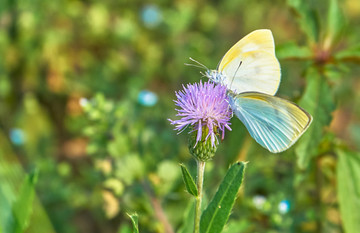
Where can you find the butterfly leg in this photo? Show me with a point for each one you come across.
(228, 108)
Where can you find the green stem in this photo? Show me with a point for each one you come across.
(200, 181)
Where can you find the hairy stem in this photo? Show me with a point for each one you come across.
(200, 181)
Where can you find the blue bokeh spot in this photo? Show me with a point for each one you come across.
(147, 98)
(284, 206)
(151, 16)
(17, 136)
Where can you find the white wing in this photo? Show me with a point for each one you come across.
(275, 123)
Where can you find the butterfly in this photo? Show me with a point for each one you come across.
(251, 73)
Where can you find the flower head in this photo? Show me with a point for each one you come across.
(205, 107)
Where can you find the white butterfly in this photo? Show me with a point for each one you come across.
(251, 73)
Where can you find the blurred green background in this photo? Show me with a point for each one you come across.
(86, 88)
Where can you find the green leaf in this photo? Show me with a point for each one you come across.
(6, 216)
(135, 222)
(218, 211)
(189, 181)
(348, 189)
(12, 176)
(349, 54)
(307, 19)
(291, 50)
(22, 207)
(335, 24)
(318, 101)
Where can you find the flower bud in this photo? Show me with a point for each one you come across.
(202, 150)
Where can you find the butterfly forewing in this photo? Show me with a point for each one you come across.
(274, 123)
(251, 65)
(257, 40)
(255, 71)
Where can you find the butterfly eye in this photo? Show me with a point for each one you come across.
(210, 74)
(215, 76)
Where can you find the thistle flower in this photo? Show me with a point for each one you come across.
(205, 108)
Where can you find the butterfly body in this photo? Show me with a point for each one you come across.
(216, 76)
(251, 73)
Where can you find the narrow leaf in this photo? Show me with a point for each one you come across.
(292, 51)
(6, 216)
(307, 19)
(348, 189)
(12, 176)
(218, 211)
(189, 181)
(135, 221)
(318, 101)
(23, 205)
(335, 23)
(349, 54)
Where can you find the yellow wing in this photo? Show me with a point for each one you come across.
(251, 65)
(261, 39)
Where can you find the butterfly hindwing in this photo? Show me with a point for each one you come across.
(274, 123)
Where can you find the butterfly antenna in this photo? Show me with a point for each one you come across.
(235, 74)
(200, 64)
(193, 65)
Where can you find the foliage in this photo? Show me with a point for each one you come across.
(320, 104)
(86, 88)
(134, 219)
(189, 181)
(16, 211)
(217, 212)
(348, 190)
